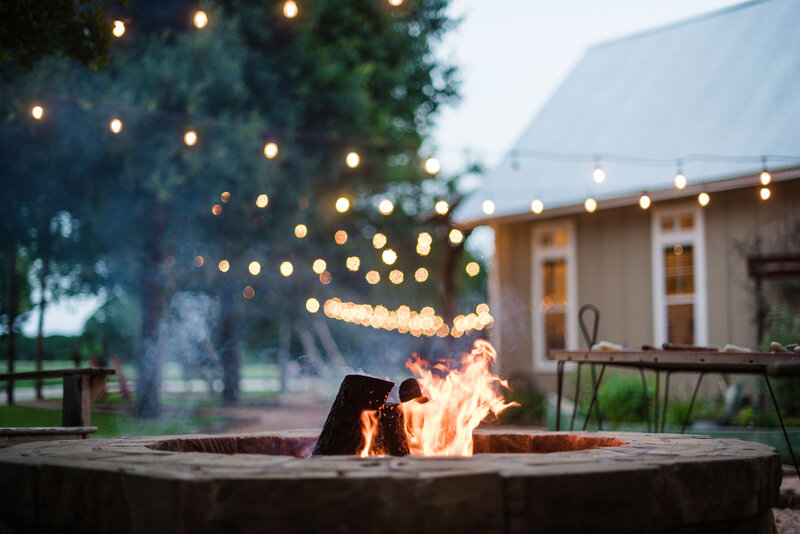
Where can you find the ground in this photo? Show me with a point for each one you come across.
(787, 519)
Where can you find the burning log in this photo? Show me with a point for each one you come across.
(409, 390)
(390, 436)
(342, 431)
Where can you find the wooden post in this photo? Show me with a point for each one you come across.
(80, 390)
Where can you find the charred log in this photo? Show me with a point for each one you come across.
(409, 390)
(342, 431)
(390, 437)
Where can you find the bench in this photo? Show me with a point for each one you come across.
(82, 386)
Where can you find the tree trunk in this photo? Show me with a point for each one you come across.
(149, 364)
(229, 351)
(326, 338)
(309, 345)
(40, 327)
(12, 316)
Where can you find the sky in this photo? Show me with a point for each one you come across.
(512, 55)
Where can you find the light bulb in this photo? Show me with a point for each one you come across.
(119, 28)
(290, 9)
(352, 160)
(262, 201)
(312, 305)
(385, 206)
(765, 193)
(766, 178)
(703, 199)
(37, 112)
(590, 205)
(644, 202)
(680, 181)
(200, 19)
(456, 236)
(537, 206)
(190, 138)
(254, 268)
(442, 207)
(488, 207)
(115, 125)
(270, 150)
(287, 268)
(342, 204)
(432, 166)
(599, 175)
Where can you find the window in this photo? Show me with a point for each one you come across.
(553, 288)
(679, 294)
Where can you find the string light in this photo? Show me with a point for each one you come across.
(225, 196)
(262, 201)
(421, 274)
(190, 138)
(598, 174)
(115, 125)
(590, 205)
(119, 29)
(300, 231)
(395, 3)
(216, 209)
(340, 237)
(37, 112)
(424, 238)
(352, 160)
(765, 193)
(378, 241)
(385, 206)
(200, 19)
(290, 9)
(405, 320)
(488, 207)
(270, 150)
(766, 178)
(537, 206)
(319, 266)
(473, 268)
(254, 268)
(224, 266)
(455, 236)
(353, 263)
(644, 202)
(373, 277)
(287, 268)
(312, 305)
(703, 199)
(325, 278)
(248, 292)
(432, 166)
(198, 261)
(396, 277)
(342, 204)
(389, 256)
(423, 250)
(442, 207)
(680, 180)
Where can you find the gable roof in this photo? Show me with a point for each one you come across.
(726, 83)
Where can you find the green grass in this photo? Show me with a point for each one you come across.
(115, 424)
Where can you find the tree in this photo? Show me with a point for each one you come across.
(36, 29)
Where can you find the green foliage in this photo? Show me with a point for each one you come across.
(531, 407)
(621, 398)
(77, 29)
(783, 326)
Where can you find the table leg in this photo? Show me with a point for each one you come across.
(594, 397)
(691, 403)
(646, 398)
(559, 385)
(783, 427)
(666, 402)
(655, 401)
(597, 405)
(577, 396)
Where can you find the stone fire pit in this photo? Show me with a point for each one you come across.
(588, 482)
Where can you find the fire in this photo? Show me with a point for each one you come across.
(455, 401)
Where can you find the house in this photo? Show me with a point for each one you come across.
(638, 188)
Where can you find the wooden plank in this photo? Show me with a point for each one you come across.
(58, 373)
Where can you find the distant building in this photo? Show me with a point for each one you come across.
(715, 98)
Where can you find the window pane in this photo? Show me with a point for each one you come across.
(687, 221)
(679, 270)
(667, 223)
(680, 323)
(554, 331)
(554, 277)
(560, 238)
(546, 239)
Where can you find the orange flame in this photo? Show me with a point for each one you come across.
(456, 401)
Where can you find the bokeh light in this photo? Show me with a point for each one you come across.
(590, 205)
(319, 266)
(254, 268)
(119, 29)
(389, 256)
(37, 112)
(325, 278)
(300, 231)
(765, 193)
(352, 160)
(703, 199)
(766, 178)
(340, 237)
(342, 204)
(442, 207)
(378, 240)
(385, 206)
(312, 305)
(537, 206)
(290, 9)
(270, 150)
(432, 166)
(644, 202)
(115, 125)
(396, 276)
(287, 268)
(373, 277)
(680, 181)
(473, 268)
(262, 201)
(216, 209)
(455, 236)
(200, 19)
(190, 138)
(421, 274)
(198, 261)
(353, 263)
(224, 265)
(488, 207)
(225, 196)
(248, 292)
(598, 175)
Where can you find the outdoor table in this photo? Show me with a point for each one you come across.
(765, 364)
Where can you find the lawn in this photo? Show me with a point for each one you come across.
(114, 424)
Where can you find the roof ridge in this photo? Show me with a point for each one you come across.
(677, 23)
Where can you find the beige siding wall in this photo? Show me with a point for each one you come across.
(615, 271)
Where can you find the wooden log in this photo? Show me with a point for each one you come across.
(409, 389)
(390, 436)
(341, 433)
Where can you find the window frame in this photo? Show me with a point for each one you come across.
(661, 239)
(539, 255)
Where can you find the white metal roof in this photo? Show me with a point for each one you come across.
(726, 83)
